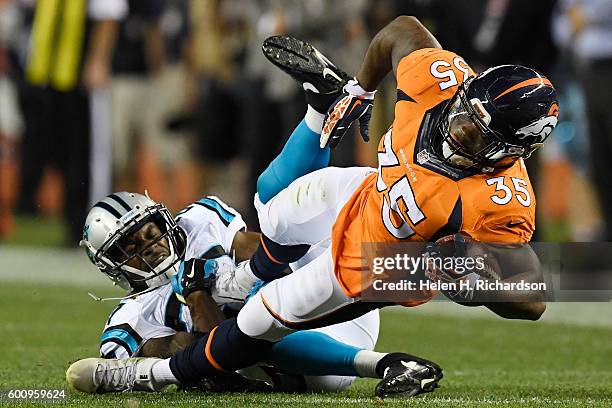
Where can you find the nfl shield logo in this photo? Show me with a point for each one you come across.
(422, 157)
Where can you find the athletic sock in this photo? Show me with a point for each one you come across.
(386, 362)
(301, 155)
(162, 375)
(225, 348)
(314, 353)
(270, 260)
(366, 362)
(314, 120)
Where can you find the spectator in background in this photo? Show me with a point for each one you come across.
(219, 37)
(70, 48)
(10, 117)
(584, 29)
(273, 103)
(148, 88)
(138, 61)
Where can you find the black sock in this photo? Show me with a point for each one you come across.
(270, 260)
(230, 349)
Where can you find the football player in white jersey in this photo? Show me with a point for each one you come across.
(155, 323)
(139, 246)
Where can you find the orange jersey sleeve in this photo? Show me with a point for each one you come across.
(429, 75)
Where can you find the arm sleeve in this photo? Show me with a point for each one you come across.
(133, 323)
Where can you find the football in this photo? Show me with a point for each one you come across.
(462, 245)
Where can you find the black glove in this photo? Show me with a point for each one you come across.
(194, 275)
(355, 103)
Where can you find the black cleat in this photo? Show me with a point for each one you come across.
(321, 79)
(408, 376)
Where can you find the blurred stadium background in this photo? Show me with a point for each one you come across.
(174, 96)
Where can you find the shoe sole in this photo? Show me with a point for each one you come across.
(301, 60)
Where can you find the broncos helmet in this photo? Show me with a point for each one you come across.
(116, 217)
(495, 118)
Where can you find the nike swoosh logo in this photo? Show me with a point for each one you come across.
(327, 71)
(511, 224)
(413, 365)
(191, 274)
(357, 103)
(426, 381)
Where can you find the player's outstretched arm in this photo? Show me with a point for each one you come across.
(396, 40)
(518, 264)
(205, 315)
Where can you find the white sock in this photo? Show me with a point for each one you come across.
(314, 120)
(366, 361)
(161, 375)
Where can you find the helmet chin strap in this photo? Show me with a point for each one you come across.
(169, 263)
(133, 295)
(152, 284)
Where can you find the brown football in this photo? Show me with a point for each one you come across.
(473, 249)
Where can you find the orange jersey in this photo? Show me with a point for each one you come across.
(413, 197)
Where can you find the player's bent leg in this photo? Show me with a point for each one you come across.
(305, 211)
(310, 297)
(300, 155)
(337, 349)
(296, 218)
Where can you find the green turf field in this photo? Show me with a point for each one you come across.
(487, 362)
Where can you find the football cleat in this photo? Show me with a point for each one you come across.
(408, 376)
(101, 375)
(321, 79)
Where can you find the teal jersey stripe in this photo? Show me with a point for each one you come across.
(122, 335)
(223, 213)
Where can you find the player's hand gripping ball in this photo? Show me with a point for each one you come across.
(461, 260)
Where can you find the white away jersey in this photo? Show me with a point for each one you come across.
(210, 226)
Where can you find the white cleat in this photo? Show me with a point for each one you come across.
(100, 375)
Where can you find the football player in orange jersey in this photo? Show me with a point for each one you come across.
(452, 162)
